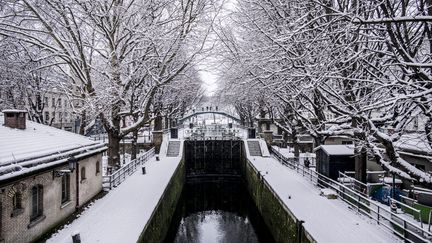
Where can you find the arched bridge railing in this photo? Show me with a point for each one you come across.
(181, 120)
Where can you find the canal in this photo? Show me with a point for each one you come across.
(217, 211)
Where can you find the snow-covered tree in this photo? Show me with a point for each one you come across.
(111, 50)
(337, 67)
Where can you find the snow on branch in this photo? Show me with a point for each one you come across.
(402, 19)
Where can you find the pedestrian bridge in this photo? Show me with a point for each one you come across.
(198, 113)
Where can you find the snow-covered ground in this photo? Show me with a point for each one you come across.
(325, 219)
(415, 142)
(122, 214)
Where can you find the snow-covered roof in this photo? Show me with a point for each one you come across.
(389, 180)
(14, 111)
(336, 149)
(414, 142)
(39, 144)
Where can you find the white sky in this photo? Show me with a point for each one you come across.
(210, 82)
(208, 75)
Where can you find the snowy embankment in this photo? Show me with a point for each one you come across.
(325, 219)
(122, 214)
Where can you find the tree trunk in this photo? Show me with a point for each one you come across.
(251, 121)
(360, 153)
(113, 130)
(360, 164)
(167, 125)
(134, 148)
(83, 122)
(295, 143)
(158, 126)
(428, 129)
(113, 150)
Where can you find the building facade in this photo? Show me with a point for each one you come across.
(45, 175)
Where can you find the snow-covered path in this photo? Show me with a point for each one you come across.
(122, 214)
(326, 220)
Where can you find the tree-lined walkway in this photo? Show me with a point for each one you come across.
(123, 213)
(326, 220)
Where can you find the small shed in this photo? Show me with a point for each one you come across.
(330, 159)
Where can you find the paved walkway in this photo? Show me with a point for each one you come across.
(122, 214)
(326, 220)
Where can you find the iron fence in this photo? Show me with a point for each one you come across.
(113, 180)
(408, 230)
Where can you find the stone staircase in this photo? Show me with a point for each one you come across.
(173, 149)
(254, 148)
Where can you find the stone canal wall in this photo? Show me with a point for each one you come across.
(282, 223)
(159, 223)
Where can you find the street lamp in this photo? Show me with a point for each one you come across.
(72, 163)
(71, 167)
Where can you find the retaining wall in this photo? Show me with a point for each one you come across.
(282, 223)
(160, 221)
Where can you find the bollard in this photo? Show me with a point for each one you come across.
(143, 170)
(299, 231)
(76, 238)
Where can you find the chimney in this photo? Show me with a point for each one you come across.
(15, 118)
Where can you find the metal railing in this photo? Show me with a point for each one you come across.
(104, 138)
(212, 133)
(406, 229)
(113, 180)
(352, 183)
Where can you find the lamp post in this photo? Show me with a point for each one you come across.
(72, 163)
(71, 167)
(124, 158)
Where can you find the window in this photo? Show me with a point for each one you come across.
(97, 167)
(53, 102)
(65, 196)
(59, 102)
(46, 101)
(60, 116)
(83, 173)
(17, 201)
(37, 202)
(47, 117)
(17, 204)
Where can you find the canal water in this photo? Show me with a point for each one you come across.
(217, 211)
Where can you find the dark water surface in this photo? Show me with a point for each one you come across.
(217, 211)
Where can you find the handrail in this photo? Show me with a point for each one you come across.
(355, 182)
(121, 174)
(382, 215)
(418, 211)
(218, 132)
(429, 221)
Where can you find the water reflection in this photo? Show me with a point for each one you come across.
(217, 212)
